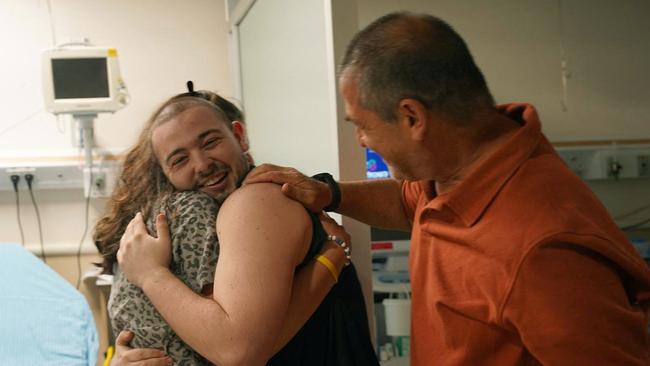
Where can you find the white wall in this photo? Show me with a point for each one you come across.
(285, 85)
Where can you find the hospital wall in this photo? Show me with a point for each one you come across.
(161, 44)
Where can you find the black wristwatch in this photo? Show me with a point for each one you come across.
(334, 188)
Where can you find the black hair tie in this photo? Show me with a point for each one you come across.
(190, 87)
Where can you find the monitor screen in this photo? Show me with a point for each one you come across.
(80, 78)
(376, 167)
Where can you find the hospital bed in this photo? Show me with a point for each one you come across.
(43, 319)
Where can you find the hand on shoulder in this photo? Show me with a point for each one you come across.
(314, 194)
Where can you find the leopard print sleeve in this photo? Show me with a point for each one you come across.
(192, 223)
(195, 247)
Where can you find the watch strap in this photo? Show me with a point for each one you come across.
(334, 189)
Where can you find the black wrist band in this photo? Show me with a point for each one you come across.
(334, 188)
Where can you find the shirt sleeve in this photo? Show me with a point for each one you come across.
(571, 306)
(195, 247)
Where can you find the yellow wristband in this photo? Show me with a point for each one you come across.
(330, 266)
(109, 355)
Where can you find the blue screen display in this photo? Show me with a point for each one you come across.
(376, 168)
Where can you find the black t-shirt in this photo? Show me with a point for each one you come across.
(337, 334)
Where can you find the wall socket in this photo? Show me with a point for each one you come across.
(643, 165)
(64, 176)
(68, 175)
(607, 162)
(101, 183)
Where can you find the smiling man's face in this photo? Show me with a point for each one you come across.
(197, 151)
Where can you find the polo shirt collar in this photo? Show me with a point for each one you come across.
(471, 197)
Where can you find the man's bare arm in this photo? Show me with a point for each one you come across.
(377, 203)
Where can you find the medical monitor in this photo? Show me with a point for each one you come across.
(82, 80)
(376, 167)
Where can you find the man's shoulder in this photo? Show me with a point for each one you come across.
(262, 195)
(264, 202)
(261, 213)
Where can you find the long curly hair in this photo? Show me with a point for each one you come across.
(142, 182)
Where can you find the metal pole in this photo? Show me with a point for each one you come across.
(86, 122)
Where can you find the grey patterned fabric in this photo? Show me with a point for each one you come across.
(195, 249)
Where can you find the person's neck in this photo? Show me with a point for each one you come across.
(472, 146)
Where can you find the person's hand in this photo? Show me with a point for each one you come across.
(313, 194)
(125, 355)
(141, 254)
(333, 228)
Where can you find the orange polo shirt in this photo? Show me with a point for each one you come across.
(521, 265)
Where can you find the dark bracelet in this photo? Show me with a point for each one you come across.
(334, 188)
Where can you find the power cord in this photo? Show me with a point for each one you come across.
(15, 178)
(83, 237)
(30, 178)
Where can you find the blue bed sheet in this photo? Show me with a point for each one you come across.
(43, 319)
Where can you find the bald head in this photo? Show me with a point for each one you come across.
(418, 56)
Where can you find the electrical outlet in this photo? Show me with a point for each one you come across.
(99, 185)
(20, 172)
(95, 184)
(103, 180)
(614, 167)
(45, 176)
(62, 175)
(643, 165)
(608, 162)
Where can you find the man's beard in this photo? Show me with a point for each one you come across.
(248, 166)
(239, 181)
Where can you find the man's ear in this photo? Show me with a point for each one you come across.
(239, 130)
(413, 115)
